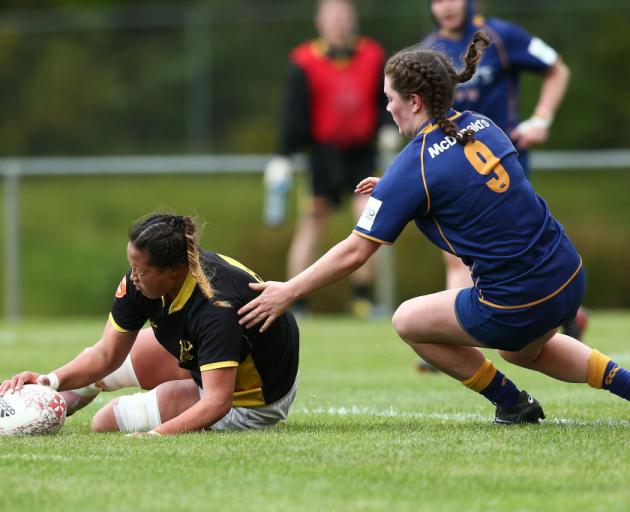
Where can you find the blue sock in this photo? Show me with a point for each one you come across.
(501, 391)
(617, 380)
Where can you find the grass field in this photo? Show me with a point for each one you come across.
(366, 433)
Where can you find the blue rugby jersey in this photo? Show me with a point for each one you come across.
(475, 202)
(494, 89)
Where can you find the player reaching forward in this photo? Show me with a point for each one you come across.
(460, 181)
(494, 92)
(203, 369)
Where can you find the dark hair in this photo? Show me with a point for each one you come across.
(430, 75)
(171, 240)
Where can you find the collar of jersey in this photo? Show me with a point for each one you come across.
(184, 294)
(430, 125)
(322, 49)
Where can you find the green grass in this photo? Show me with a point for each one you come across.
(366, 433)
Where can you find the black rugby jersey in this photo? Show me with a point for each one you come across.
(204, 336)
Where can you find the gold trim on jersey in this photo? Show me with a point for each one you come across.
(536, 302)
(426, 130)
(216, 366)
(444, 236)
(183, 295)
(238, 264)
(378, 240)
(248, 385)
(431, 127)
(498, 43)
(115, 325)
(424, 179)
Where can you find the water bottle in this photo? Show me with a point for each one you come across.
(277, 184)
(276, 202)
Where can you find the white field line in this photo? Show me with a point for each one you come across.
(51, 457)
(456, 417)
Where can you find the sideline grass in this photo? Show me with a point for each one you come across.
(366, 434)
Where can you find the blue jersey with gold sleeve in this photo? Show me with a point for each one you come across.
(475, 202)
(494, 89)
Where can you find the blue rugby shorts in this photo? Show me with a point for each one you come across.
(513, 329)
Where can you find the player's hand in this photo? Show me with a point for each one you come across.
(17, 382)
(530, 132)
(274, 300)
(366, 185)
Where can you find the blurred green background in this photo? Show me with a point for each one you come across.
(115, 78)
(74, 235)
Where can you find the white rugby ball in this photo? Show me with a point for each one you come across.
(34, 410)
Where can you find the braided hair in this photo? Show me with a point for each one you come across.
(430, 75)
(172, 240)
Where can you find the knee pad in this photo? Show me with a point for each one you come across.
(138, 412)
(123, 377)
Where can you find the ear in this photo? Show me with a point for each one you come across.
(416, 103)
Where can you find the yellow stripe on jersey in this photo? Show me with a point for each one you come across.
(248, 385)
(115, 325)
(443, 236)
(238, 264)
(216, 366)
(431, 127)
(248, 398)
(424, 179)
(378, 240)
(183, 295)
(426, 130)
(535, 302)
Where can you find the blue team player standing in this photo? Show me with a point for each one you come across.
(494, 92)
(460, 181)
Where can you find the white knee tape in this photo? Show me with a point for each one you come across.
(123, 377)
(138, 412)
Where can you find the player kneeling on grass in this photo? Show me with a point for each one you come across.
(202, 368)
(460, 181)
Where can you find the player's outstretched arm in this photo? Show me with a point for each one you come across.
(89, 366)
(340, 261)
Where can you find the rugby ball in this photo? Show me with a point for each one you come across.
(34, 410)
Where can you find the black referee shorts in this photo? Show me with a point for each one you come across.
(335, 172)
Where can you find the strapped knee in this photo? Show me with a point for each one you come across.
(123, 377)
(138, 412)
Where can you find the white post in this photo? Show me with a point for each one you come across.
(385, 283)
(385, 279)
(12, 241)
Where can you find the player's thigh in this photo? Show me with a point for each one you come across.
(175, 397)
(431, 319)
(152, 363)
